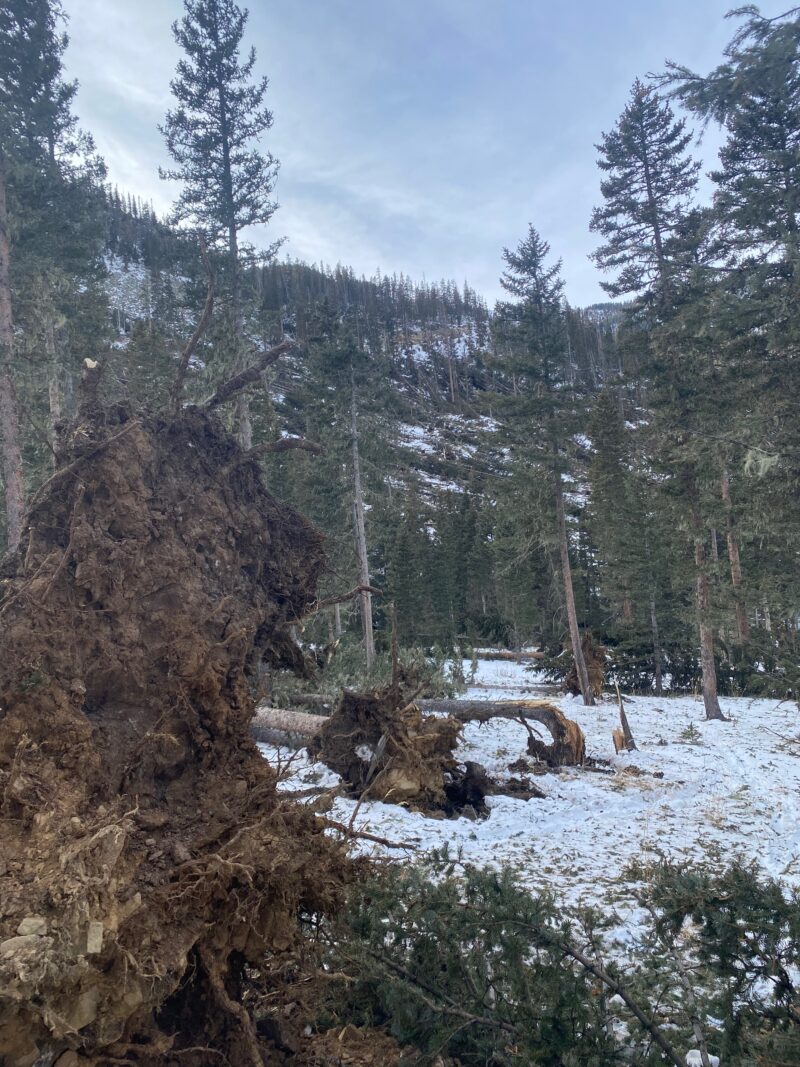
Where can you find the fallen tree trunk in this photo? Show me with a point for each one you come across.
(567, 749)
(569, 744)
(301, 726)
(508, 655)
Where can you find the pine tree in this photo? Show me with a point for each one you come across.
(213, 137)
(754, 94)
(649, 183)
(37, 138)
(534, 325)
(653, 241)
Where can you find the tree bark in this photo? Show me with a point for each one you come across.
(9, 407)
(360, 530)
(742, 623)
(656, 647)
(55, 392)
(569, 596)
(244, 426)
(702, 604)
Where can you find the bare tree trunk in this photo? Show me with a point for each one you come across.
(337, 620)
(9, 407)
(54, 391)
(656, 647)
(702, 604)
(569, 597)
(451, 373)
(361, 534)
(244, 423)
(742, 624)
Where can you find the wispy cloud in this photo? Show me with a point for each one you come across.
(419, 137)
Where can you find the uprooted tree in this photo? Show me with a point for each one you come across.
(151, 878)
(384, 746)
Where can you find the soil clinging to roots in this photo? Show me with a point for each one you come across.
(151, 878)
(384, 748)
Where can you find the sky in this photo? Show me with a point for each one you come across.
(415, 136)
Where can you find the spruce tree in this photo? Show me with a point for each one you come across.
(213, 136)
(543, 412)
(754, 94)
(653, 242)
(648, 184)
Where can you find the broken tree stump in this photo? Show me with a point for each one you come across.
(622, 735)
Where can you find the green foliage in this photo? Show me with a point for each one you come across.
(468, 967)
(461, 961)
(220, 115)
(432, 669)
(647, 190)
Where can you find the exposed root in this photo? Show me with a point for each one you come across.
(149, 870)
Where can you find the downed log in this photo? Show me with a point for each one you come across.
(509, 655)
(301, 726)
(569, 744)
(568, 747)
(313, 700)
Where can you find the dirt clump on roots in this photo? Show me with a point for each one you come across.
(384, 748)
(152, 880)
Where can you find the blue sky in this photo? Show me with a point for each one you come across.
(415, 136)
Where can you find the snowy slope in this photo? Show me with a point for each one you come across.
(728, 789)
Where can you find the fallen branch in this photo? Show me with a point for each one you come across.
(199, 330)
(508, 655)
(285, 444)
(617, 988)
(368, 837)
(313, 700)
(249, 376)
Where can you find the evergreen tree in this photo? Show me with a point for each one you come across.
(535, 326)
(653, 241)
(48, 179)
(755, 95)
(213, 136)
(649, 183)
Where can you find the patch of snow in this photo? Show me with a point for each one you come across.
(728, 788)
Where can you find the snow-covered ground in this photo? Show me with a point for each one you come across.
(728, 789)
